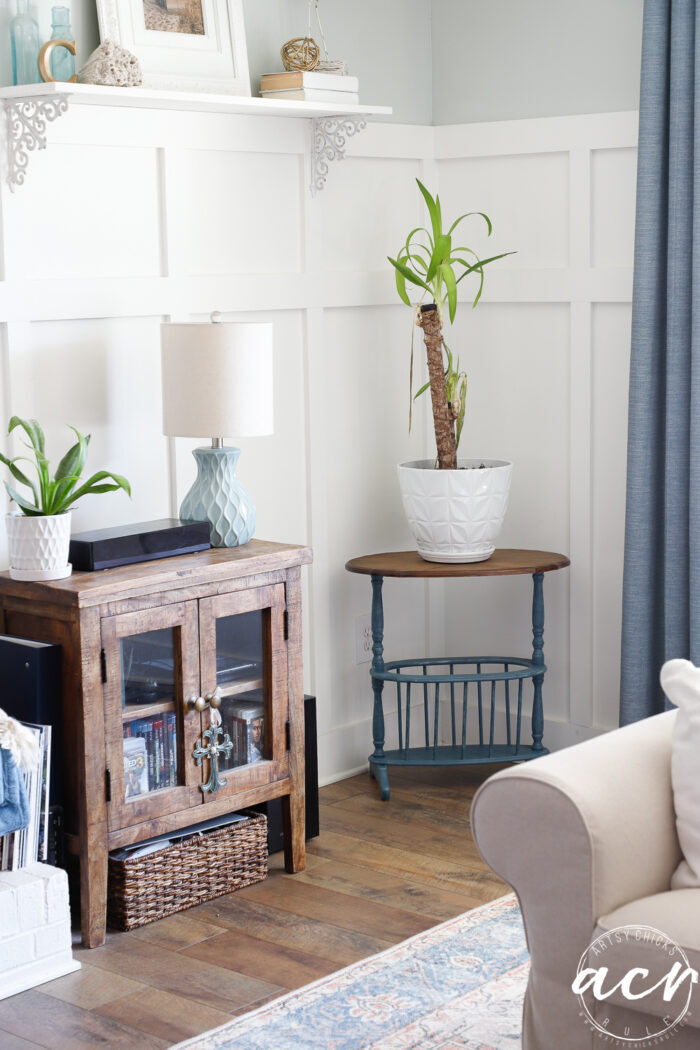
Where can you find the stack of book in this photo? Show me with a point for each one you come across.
(150, 754)
(29, 844)
(311, 87)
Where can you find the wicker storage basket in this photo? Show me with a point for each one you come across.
(196, 869)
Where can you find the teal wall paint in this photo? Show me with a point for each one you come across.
(387, 45)
(506, 60)
(442, 61)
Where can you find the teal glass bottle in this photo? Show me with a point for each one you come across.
(24, 41)
(62, 61)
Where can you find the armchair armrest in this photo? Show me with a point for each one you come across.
(608, 799)
(577, 834)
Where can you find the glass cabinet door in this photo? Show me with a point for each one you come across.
(151, 669)
(243, 658)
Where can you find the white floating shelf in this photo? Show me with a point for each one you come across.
(202, 102)
(30, 107)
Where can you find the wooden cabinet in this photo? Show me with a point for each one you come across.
(144, 647)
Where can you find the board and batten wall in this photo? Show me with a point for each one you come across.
(131, 216)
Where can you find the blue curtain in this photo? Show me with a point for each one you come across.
(661, 593)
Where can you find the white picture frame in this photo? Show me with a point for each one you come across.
(181, 56)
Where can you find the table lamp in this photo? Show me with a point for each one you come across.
(217, 380)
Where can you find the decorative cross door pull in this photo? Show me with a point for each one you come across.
(209, 745)
(212, 750)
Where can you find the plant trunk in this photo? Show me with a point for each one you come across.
(442, 416)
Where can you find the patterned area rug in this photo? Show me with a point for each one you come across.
(458, 986)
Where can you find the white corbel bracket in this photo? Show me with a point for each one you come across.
(329, 137)
(26, 131)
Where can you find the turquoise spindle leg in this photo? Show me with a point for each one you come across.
(425, 709)
(408, 719)
(452, 706)
(481, 715)
(537, 659)
(377, 765)
(399, 715)
(465, 698)
(436, 730)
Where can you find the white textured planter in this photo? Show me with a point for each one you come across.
(39, 546)
(455, 515)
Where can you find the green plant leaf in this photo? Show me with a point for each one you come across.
(418, 229)
(409, 274)
(483, 262)
(92, 486)
(448, 276)
(32, 430)
(422, 390)
(462, 408)
(401, 286)
(74, 459)
(466, 215)
(433, 210)
(29, 508)
(61, 497)
(18, 475)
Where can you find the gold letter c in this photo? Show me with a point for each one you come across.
(44, 55)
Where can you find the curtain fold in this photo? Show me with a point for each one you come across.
(661, 590)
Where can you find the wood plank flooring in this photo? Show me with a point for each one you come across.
(378, 873)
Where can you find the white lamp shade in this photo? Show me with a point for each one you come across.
(217, 379)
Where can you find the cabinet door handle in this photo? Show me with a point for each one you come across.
(200, 703)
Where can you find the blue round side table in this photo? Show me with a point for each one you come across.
(460, 677)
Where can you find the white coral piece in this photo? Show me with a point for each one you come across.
(113, 65)
(19, 741)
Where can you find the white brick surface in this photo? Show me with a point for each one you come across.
(9, 919)
(53, 938)
(35, 930)
(15, 951)
(30, 897)
(55, 882)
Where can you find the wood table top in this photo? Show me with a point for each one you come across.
(506, 562)
(162, 574)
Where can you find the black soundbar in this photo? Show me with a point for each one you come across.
(145, 541)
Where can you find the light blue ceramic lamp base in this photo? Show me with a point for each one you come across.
(218, 497)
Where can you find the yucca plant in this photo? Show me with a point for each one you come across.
(55, 494)
(438, 268)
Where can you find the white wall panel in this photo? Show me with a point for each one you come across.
(526, 197)
(365, 212)
(238, 212)
(89, 211)
(613, 181)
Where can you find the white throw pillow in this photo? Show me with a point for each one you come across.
(680, 680)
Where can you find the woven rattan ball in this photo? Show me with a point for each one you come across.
(300, 53)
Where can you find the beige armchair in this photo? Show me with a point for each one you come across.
(587, 839)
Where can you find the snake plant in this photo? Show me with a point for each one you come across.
(55, 494)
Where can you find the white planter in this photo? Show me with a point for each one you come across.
(455, 515)
(39, 546)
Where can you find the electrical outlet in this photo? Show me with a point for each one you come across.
(363, 639)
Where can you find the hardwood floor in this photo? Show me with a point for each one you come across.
(378, 873)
